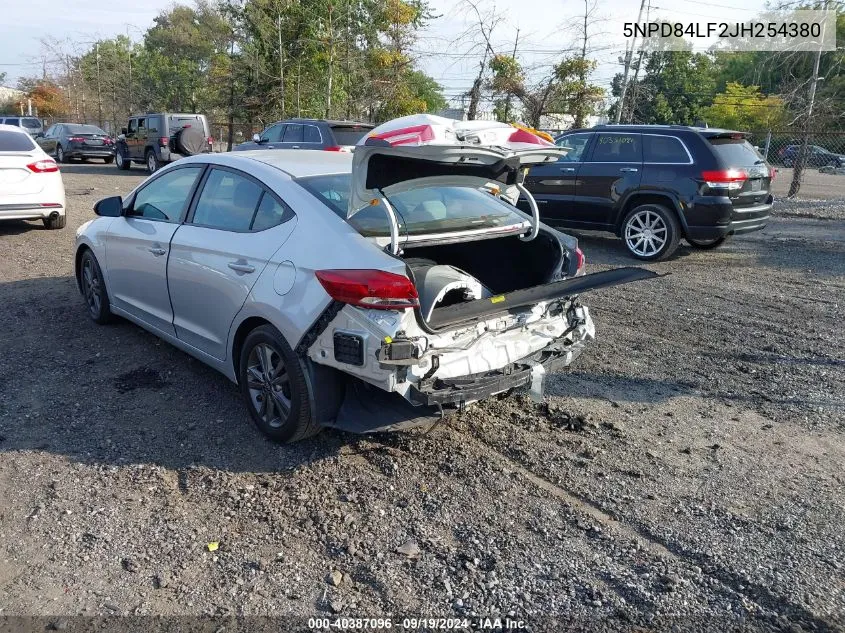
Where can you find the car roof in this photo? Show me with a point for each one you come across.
(327, 121)
(296, 163)
(704, 131)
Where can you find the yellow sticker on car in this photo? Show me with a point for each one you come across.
(498, 299)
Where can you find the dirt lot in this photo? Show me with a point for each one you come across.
(690, 465)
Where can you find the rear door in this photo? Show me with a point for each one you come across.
(234, 229)
(553, 184)
(612, 171)
(138, 245)
(735, 152)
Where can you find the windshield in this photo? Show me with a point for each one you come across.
(421, 211)
(84, 129)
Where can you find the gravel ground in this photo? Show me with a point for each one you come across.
(689, 466)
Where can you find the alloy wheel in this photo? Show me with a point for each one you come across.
(646, 233)
(119, 159)
(91, 286)
(151, 162)
(269, 384)
(60, 154)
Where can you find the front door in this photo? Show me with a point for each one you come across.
(613, 169)
(553, 184)
(138, 246)
(217, 256)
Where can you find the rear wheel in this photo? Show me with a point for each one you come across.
(651, 232)
(706, 245)
(274, 385)
(94, 288)
(57, 222)
(152, 161)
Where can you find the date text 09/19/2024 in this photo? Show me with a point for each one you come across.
(418, 624)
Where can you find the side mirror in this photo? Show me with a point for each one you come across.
(109, 207)
(39, 135)
(256, 138)
(123, 130)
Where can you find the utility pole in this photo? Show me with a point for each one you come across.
(331, 63)
(129, 49)
(508, 97)
(798, 169)
(281, 66)
(99, 96)
(629, 54)
(635, 91)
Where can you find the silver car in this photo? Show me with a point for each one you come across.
(366, 291)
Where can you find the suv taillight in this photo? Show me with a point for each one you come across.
(369, 288)
(731, 179)
(333, 148)
(43, 166)
(164, 141)
(579, 256)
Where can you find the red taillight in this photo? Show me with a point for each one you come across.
(370, 288)
(108, 141)
(333, 148)
(725, 178)
(163, 141)
(579, 256)
(76, 139)
(210, 140)
(772, 173)
(43, 166)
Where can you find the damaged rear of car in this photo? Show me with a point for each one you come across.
(479, 297)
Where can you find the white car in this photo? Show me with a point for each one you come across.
(31, 186)
(365, 291)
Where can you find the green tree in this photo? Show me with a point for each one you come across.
(745, 108)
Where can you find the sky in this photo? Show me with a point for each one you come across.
(444, 50)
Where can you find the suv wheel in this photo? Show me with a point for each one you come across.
(121, 160)
(651, 232)
(152, 161)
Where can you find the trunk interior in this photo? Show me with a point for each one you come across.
(450, 274)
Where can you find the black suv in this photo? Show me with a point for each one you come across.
(308, 134)
(653, 184)
(157, 139)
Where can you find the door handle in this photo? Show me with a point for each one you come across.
(241, 268)
(628, 169)
(158, 252)
(567, 169)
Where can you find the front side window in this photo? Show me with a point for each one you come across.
(435, 209)
(133, 126)
(664, 149)
(228, 201)
(578, 143)
(50, 131)
(273, 134)
(617, 148)
(166, 197)
(142, 127)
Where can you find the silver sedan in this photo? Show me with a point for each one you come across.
(365, 297)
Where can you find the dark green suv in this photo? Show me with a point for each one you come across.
(160, 138)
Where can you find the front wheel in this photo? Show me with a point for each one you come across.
(273, 383)
(94, 288)
(60, 154)
(706, 245)
(651, 232)
(122, 161)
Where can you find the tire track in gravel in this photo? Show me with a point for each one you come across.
(655, 544)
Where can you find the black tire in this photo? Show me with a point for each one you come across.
(662, 225)
(706, 245)
(284, 381)
(123, 161)
(60, 155)
(108, 160)
(58, 222)
(94, 292)
(151, 161)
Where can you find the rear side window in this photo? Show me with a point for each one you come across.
(13, 122)
(311, 134)
(664, 149)
(32, 124)
(736, 152)
(349, 134)
(617, 148)
(166, 197)
(227, 202)
(15, 142)
(293, 134)
(270, 213)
